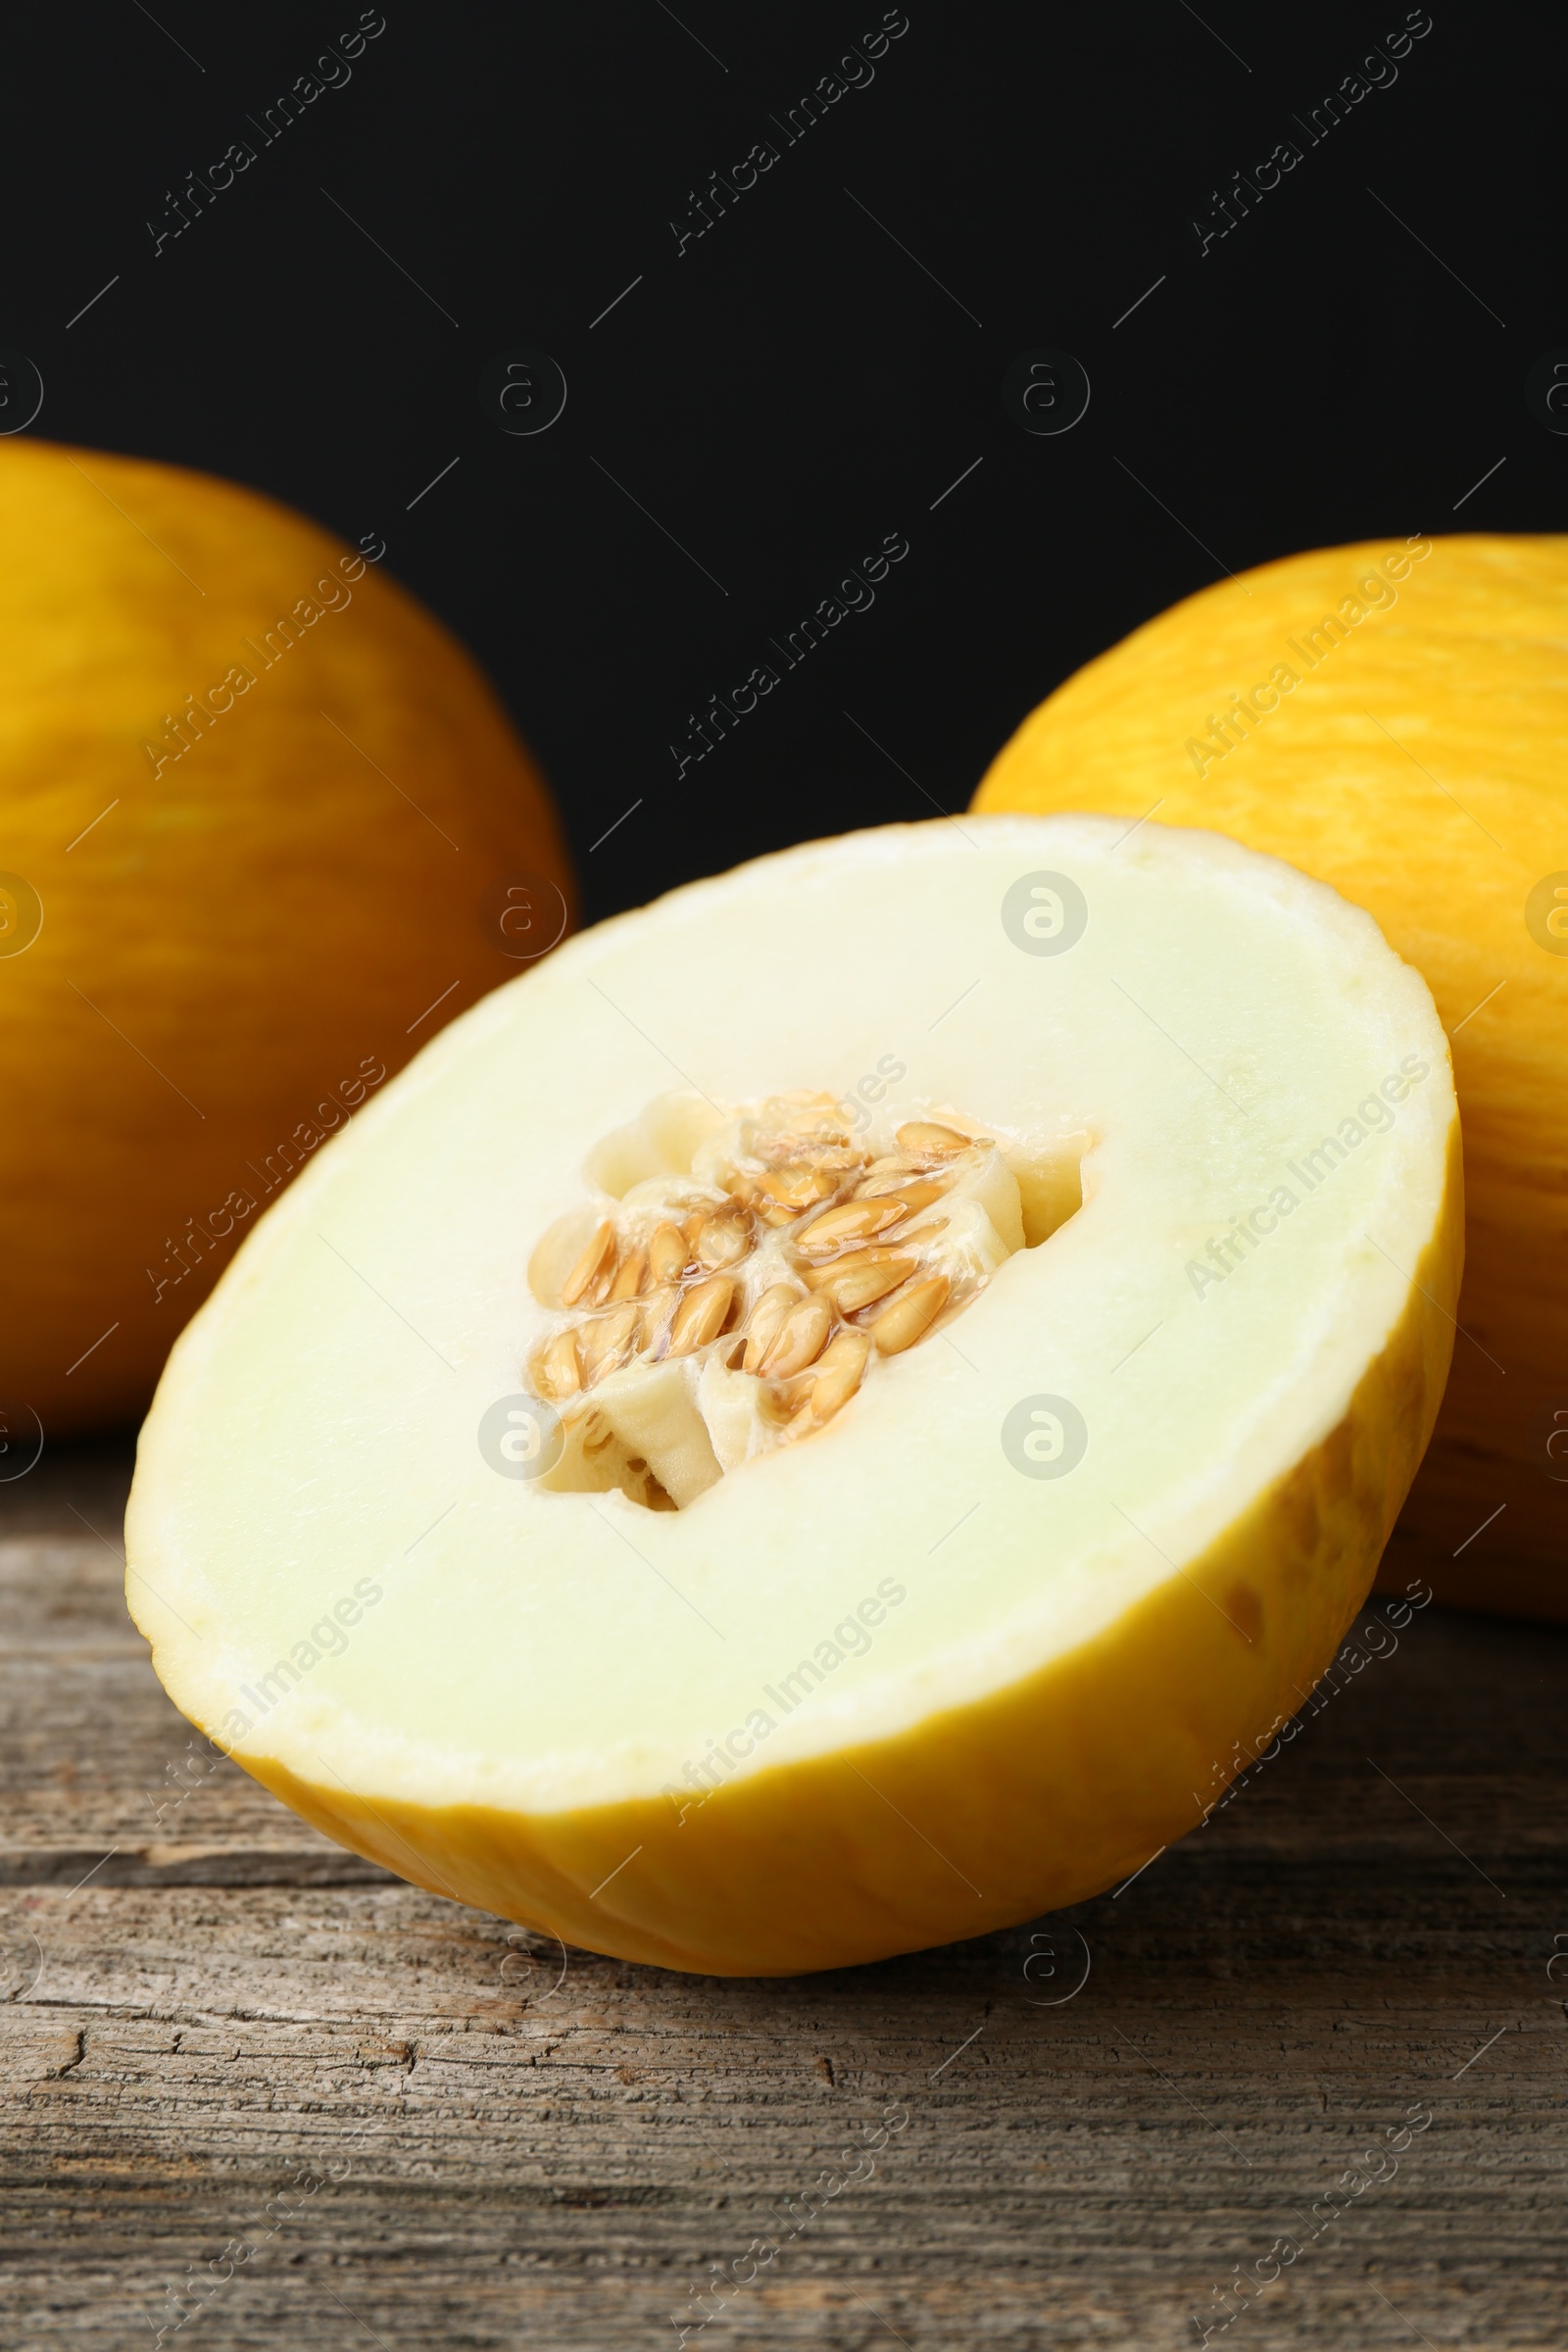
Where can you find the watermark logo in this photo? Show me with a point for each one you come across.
(21, 392)
(1045, 391)
(1053, 1961)
(520, 1437)
(1045, 914)
(20, 1960)
(1044, 1437)
(522, 391)
(1548, 1439)
(1545, 914)
(523, 916)
(21, 1438)
(20, 914)
(529, 1964)
(1547, 391)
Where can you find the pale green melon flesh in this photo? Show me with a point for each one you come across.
(315, 1436)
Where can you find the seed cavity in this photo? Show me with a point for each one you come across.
(791, 1259)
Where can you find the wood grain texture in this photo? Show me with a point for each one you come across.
(430, 2129)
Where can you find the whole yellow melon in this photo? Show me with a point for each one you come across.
(1394, 718)
(260, 817)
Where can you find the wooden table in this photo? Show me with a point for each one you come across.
(332, 2111)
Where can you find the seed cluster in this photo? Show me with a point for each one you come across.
(856, 1274)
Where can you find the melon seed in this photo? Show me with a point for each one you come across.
(854, 1282)
(766, 1322)
(557, 1372)
(655, 1311)
(930, 1140)
(918, 1194)
(608, 1340)
(666, 1253)
(838, 1374)
(799, 1340)
(909, 1315)
(601, 1248)
(699, 1316)
(632, 1276)
(854, 1221)
(723, 1240)
(798, 1187)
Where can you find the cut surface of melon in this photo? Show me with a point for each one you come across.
(461, 1521)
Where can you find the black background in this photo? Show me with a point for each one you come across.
(796, 385)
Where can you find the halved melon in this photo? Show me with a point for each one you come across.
(821, 1419)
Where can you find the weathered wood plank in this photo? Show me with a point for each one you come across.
(513, 2145)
